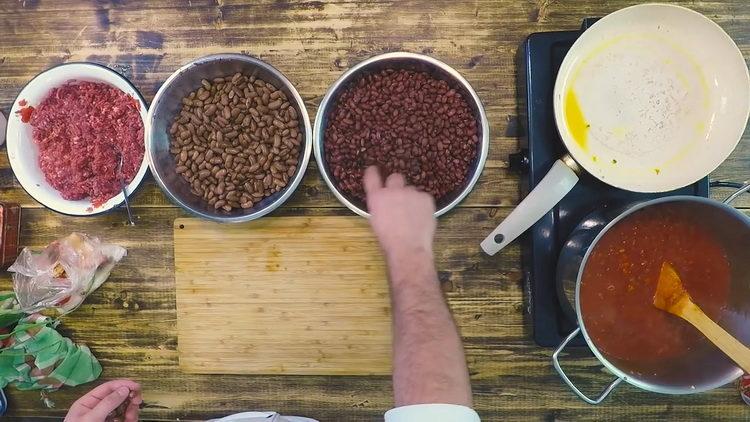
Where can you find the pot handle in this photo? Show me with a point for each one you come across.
(579, 393)
(551, 189)
(744, 188)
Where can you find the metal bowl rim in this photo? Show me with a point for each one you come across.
(598, 354)
(303, 162)
(344, 78)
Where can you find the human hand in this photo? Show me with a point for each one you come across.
(113, 401)
(401, 216)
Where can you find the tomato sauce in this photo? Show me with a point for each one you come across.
(620, 277)
(25, 113)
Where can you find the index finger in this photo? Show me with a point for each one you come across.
(93, 397)
(110, 403)
(372, 180)
(132, 411)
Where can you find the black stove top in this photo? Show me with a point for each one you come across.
(541, 244)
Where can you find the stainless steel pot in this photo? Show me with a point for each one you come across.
(697, 370)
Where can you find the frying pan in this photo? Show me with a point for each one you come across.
(651, 98)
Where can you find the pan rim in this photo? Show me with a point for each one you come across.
(635, 183)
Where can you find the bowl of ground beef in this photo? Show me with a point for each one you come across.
(75, 132)
(404, 113)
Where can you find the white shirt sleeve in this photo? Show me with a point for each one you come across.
(432, 413)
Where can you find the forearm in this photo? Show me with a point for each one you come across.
(429, 364)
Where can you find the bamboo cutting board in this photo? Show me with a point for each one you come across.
(281, 295)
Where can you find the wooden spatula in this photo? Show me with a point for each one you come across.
(671, 297)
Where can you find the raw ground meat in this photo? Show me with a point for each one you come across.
(79, 129)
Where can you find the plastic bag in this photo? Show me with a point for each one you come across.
(64, 273)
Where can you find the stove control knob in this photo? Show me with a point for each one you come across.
(519, 161)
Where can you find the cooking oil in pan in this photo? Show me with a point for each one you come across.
(574, 119)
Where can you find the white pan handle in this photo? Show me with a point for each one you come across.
(553, 187)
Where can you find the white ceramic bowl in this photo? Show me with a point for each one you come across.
(23, 153)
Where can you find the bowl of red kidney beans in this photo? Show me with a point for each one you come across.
(75, 133)
(404, 113)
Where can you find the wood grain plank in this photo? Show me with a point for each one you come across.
(130, 321)
(323, 36)
(130, 325)
(496, 187)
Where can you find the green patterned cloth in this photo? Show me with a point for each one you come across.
(34, 356)
(10, 312)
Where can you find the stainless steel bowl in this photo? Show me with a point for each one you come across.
(167, 104)
(418, 62)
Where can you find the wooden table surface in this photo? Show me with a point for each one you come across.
(129, 322)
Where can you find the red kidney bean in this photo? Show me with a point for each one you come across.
(402, 121)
